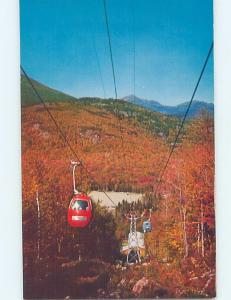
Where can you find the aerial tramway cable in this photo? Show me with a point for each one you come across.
(61, 133)
(110, 49)
(134, 52)
(163, 170)
(99, 67)
(114, 81)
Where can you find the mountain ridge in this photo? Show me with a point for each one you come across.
(52, 95)
(28, 96)
(154, 122)
(177, 110)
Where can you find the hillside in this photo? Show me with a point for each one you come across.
(87, 263)
(48, 94)
(95, 134)
(178, 110)
(153, 121)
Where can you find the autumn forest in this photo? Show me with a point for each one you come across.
(179, 258)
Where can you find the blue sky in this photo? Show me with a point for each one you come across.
(172, 38)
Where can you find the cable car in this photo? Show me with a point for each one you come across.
(80, 210)
(80, 207)
(147, 226)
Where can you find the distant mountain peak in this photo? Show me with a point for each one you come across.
(133, 97)
(177, 110)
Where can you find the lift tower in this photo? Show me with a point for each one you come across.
(133, 255)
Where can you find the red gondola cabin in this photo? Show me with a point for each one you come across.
(80, 210)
